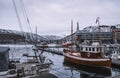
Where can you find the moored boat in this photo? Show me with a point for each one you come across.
(67, 44)
(89, 57)
(115, 51)
(29, 65)
(89, 53)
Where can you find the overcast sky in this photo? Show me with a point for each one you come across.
(54, 16)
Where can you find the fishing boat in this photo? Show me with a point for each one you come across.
(28, 65)
(89, 53)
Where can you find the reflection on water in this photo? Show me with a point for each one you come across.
(66, 70)
(88, 72)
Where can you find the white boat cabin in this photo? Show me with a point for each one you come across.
(95, 47)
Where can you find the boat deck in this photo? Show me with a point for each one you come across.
(45, 75)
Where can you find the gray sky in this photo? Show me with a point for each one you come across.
(54, 16)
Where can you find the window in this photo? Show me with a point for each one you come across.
(93, 49)
(97, 49)
(86, 49)
(89, 49)
(81, 48)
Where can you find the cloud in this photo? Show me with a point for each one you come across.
(54, 16)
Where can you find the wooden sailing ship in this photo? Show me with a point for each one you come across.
(91, 54)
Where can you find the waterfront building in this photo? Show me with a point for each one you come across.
(109, 34)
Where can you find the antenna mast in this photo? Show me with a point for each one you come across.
(71, 31)
(98, 21)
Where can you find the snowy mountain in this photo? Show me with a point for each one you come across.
(30, 36)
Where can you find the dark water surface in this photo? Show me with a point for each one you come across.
(66, 70)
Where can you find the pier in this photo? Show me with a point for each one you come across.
(54, 51)
(57, 49)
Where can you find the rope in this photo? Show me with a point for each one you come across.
(17, 15)
(26, 17)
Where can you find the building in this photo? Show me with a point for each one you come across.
(109, 34)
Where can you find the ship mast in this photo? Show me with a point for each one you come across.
(100, 41)
(71, 31)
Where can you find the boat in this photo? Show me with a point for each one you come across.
(67, 44)
(115, 54)
(29, 65)
(89, 53)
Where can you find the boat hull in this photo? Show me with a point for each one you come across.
(94, 62)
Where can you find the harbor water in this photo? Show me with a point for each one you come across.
(64, 70)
